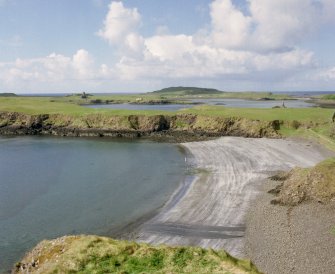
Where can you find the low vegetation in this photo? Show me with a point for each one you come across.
(93, 254)
(313, 123)
(328, 97)
(307, 184)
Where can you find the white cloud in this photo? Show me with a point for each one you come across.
(230, 47)
(53, 69)
(282, 24)
(326, 74)
(230, 28)
(250, 46)
(193, 61)
(82, 63)
(120, 23)
(168, 47)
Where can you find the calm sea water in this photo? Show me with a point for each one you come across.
(53, 186)
(241, 103)
(236, 103)
(167, 107)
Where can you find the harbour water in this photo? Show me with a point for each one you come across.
(51, 187)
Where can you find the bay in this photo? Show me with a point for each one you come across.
(51, 187)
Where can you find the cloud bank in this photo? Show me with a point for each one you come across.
(259, 45)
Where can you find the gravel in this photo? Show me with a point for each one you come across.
(283, 239)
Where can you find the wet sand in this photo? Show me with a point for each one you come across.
(210, 210)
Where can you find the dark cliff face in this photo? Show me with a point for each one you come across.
(183, 126)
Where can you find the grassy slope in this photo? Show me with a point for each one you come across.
(93, 254)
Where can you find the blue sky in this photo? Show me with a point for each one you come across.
(133, 45)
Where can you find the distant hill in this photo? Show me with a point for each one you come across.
(188, 91)
(7, 94)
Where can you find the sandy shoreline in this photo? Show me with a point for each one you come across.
(211, 210)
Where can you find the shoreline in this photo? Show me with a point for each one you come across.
(175, 128)
(190, 218)
(211, 211)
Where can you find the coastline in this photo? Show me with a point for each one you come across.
(212, 205)
(175, 128)
(211, 211)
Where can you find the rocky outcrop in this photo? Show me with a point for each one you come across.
(184, 126)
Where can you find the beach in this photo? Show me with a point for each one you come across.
(210, 210)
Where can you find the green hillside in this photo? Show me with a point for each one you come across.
(7, 94)
(188, 91)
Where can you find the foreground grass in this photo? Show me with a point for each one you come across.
(93, 254)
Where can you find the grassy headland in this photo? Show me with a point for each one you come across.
(314, 123)
(93, 254)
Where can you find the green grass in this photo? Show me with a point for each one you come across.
(312, 123)
(93, 254)
(50, 105)
(328, 97)
(286, 114)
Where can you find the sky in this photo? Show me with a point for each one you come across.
(70, 46)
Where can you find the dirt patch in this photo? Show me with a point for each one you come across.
(306, 184)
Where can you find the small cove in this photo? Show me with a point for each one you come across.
(51, 187)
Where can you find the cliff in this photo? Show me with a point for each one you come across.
(182, 126)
